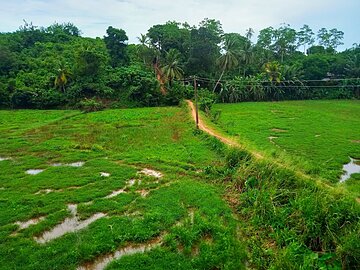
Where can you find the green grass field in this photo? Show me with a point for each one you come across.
(194, 222)
(209, 208)
(318, 137)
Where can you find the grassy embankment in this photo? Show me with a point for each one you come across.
(315, 137)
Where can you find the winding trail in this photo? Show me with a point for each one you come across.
(259, 156)
(216, 134)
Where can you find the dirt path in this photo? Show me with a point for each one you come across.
(214, 133)
(233, 143)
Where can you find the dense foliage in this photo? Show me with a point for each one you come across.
(56, 67)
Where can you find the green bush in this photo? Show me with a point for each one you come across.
(206, 99)
(236, 156)
(22, 99)
(90, 105)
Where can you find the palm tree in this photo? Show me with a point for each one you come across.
(228, 60)
(247, 55)
(143, 39)
(172, 70)
(62, 77)
(273, 71)
(249, 33)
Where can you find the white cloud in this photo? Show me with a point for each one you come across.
(137, 16)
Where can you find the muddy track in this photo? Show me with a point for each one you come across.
(214, 133)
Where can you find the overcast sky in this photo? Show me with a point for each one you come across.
(137, 16)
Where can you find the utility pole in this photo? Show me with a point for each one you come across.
(196, 103)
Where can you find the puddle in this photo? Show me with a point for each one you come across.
(104, 174)
(74, 164)
(44, 191)
(278, 130)
(131, 182)
(34, 171)
(271, 139)
(143, 193)
(4, 158)
(115, 193)
(75, 187)
(350, 168)
(71, 224)
(103, 261)
(27, 224)
(152, 173)
(57, 165)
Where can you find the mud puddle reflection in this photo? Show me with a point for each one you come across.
(350, 168)
(71, 224)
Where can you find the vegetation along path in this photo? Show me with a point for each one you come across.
(204, 127)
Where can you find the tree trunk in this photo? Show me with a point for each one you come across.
(217, 83)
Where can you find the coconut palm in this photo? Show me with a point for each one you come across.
(143, 39)
(228, 59)
(172, 70)
(62, 77)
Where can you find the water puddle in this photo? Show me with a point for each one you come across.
(152, 173)
(44, 191)
(115, 193)
(101, 262)
(105, 174)
(131, 182)
(74, 164)
(27, 224)
(71, 224)
(271, 139)
(4, 158)
(278, 130)
(350, 168)
(143, 192)
(34, 171)
(57, 165)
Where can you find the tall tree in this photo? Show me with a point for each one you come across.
(330, 38)
(172, 69)
(284, 41)
(228, 59)
(306, 37)
(249, 33)
(204, 48)
(116, 44)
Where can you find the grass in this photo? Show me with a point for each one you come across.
(214, 207)
(316, 136)
(119, 142)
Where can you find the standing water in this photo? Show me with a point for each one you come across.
(349, 169)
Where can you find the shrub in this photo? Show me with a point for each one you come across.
(90, 105)
(206, 99)
(22, 99)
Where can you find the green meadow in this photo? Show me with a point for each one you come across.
(316, 137)
(142, 189)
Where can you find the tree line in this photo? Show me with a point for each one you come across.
(54, 66)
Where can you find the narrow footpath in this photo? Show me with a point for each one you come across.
(233, 143)
(214, 133)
